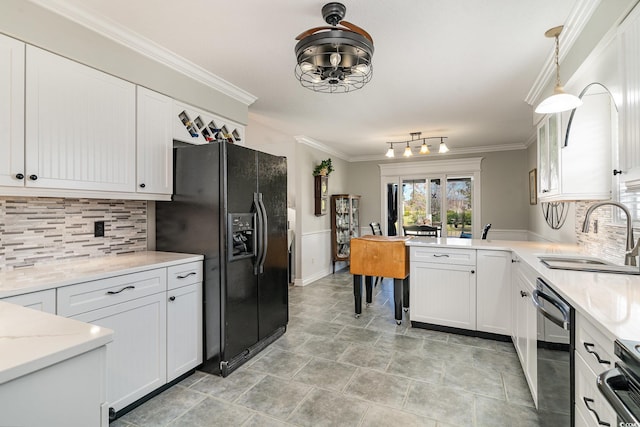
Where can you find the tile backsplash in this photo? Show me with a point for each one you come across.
(40, 230)
(610, 240)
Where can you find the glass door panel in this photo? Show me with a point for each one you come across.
(459, 206)
(414, 201)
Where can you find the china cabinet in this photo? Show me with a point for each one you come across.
(321, 187)
(345, 224)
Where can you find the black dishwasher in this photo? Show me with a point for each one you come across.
(555, 359)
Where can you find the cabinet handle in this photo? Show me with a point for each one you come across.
(172, 298)
(587, 403)
(587, 346)
(33, 177)
(142, 185)
(617, 172)
(441, 255)
(186, 275)
(515, 260)
(545, 191)
(117, 292)
(19, 176)
(524, 294)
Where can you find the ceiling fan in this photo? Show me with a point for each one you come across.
(334, 58)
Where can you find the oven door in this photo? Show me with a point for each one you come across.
(622, 393)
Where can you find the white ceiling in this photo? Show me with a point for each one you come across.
(460, 69)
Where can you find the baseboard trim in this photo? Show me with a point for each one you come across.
(459, 331)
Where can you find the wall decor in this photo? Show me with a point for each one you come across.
(321, 194)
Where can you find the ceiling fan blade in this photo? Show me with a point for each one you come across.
(314, 30)
(356, 29)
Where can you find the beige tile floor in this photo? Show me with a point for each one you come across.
(331, 369)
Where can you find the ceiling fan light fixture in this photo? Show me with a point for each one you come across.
(339, 54)
(560, 100)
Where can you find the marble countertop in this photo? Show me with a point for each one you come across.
(31, 340)
(55, 275)
(610, 300)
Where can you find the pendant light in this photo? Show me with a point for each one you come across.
(560, 100)
(424, 148)
(407, 151)
(390, 152)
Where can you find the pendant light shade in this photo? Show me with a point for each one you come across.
(390, 152)
(443, 147)
(407, 151)
(560, 100)
(424, 148)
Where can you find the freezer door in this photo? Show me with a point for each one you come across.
(273, 311)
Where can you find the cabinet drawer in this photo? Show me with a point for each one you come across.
(184, 274)
(594, 347)
(83, 297)
(444, 255)
(588, 399)
(41, 300)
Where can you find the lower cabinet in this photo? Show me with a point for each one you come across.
(524, 323)
(184, 330)
(443, 287)
(41, 300)
(493, 289)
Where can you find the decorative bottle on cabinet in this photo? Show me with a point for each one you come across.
(345, 224)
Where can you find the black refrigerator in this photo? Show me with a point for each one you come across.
(230, 204)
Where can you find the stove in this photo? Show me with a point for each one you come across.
(621, 385)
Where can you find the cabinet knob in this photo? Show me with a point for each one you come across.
(473, 271)
(19, 176)
(524, 294)
(142, 185)
(172, 298)
(545, 191)
(33, 177)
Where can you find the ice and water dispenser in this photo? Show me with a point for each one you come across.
(242, 236)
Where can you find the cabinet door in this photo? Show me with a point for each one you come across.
(136, 359)
(80, 126)
(525, 325)
(443, 294)
(154, 143)
(549, 156)
(590, 403)
(42, 300)
(184, 330)
(11, 111)
(493, 284)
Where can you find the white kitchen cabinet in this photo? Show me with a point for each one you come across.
(493, 289)
(525, 321)
(134, 306)
(184, 329)
(195, 126)
(184, 318)
(80, 126)
(154, 144)
(11, 111)
(590, 403)
(136, 359)
(549, 157)
(629, 149)
(443, 287)
(41, 300)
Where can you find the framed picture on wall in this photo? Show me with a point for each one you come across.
(533, 187)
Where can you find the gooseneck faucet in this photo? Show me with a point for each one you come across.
(632, 251)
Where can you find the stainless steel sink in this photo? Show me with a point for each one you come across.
(585, 263)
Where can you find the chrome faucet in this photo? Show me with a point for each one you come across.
(632, 251)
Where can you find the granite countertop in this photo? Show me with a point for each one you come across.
(609, 300)
(55, 275)
(31, 340)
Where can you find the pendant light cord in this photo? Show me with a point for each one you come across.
(557, 62)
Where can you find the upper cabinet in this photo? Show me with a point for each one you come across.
(11, 111)
(629, 45)
(80, 126)
(154, 143)
(195, 126)
(549, 157)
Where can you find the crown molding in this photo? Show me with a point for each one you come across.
(576, 21)
(452, 151)
(302, 139)
(146, 47)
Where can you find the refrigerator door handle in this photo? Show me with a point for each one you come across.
(265, 233)
(257, 201)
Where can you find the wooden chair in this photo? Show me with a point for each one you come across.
(420, 230)
(485, 231)
(377, 231)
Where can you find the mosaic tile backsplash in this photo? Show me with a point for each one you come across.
(40, 230)
(610, 241)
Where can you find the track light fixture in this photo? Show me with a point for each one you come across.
(424, 147)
